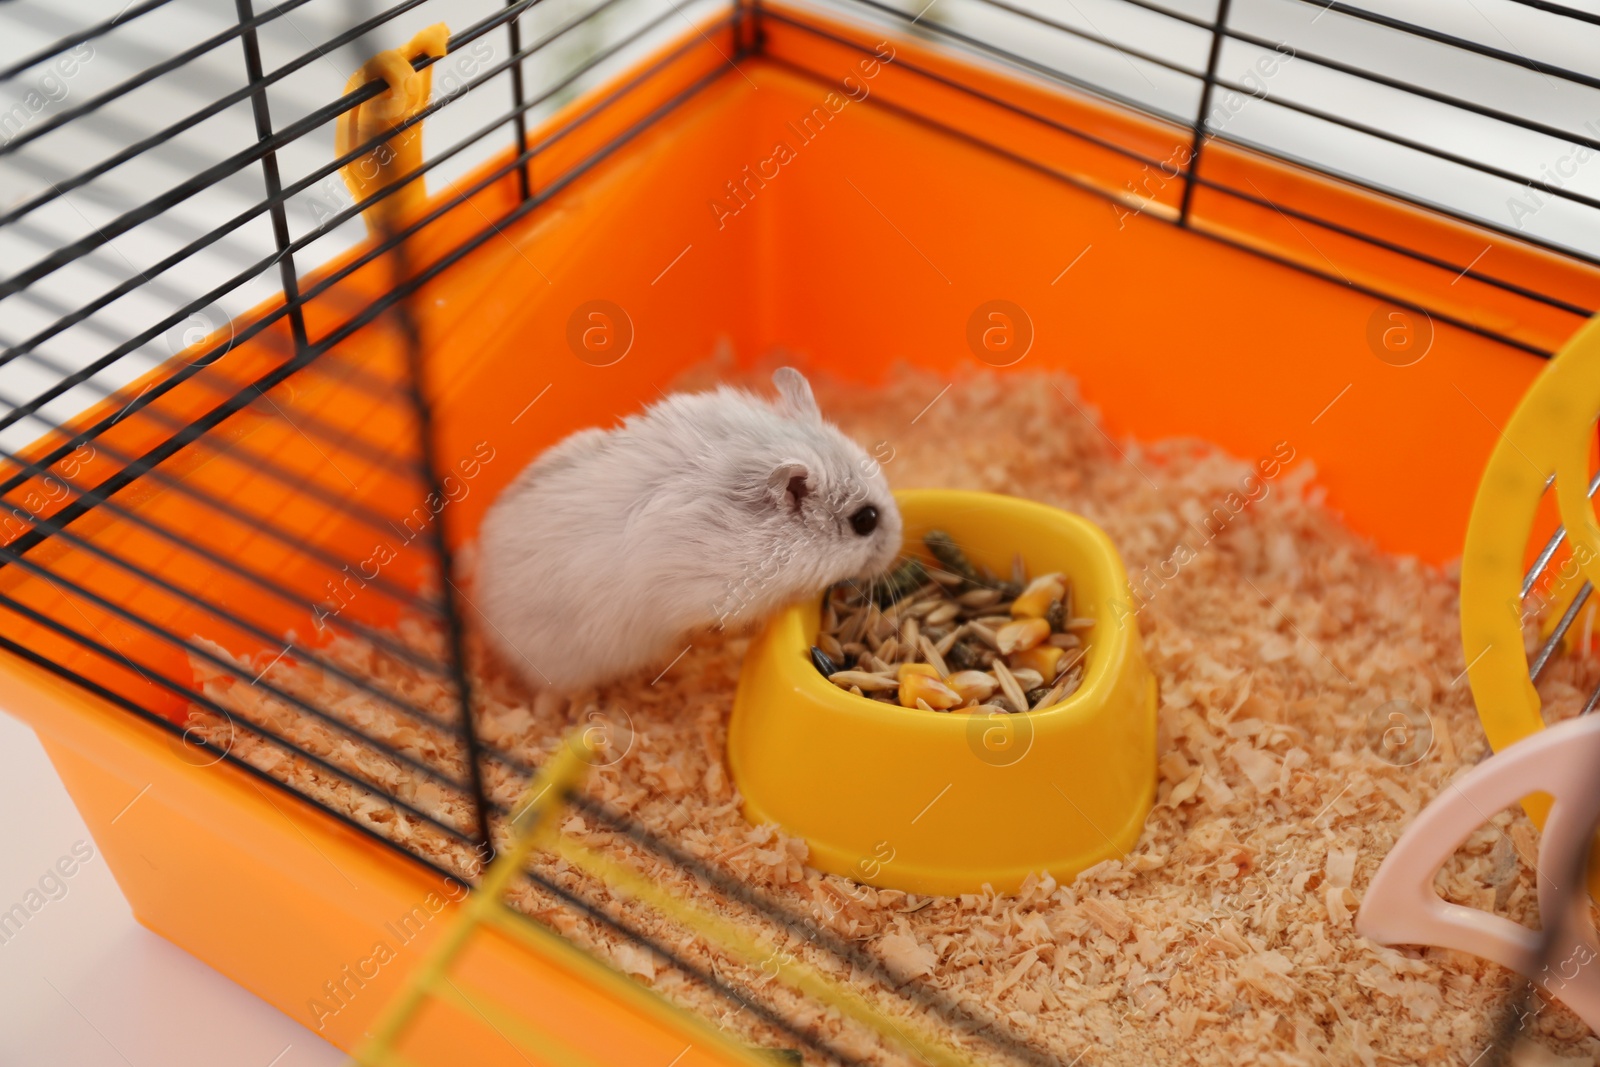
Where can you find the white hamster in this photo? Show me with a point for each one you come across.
(703, 509)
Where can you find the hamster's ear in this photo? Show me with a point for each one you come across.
(794, 395)
(789, 484)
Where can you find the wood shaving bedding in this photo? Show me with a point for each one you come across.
(1225, 937)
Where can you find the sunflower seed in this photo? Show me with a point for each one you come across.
(823, 662)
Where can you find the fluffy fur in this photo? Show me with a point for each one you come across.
(707, 509)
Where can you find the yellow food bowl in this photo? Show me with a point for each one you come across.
(946, 803)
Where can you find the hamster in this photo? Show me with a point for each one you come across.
(705, 509)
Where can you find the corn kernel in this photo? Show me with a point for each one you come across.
(1046, 659)
(972, 685)
(1021, 635)
(922, 690)
(907, 669)
(1035, 600)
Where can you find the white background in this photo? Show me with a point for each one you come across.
(83, 984)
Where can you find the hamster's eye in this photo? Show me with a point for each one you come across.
(864, 521)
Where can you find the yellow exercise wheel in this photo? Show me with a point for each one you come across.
(1546, 446)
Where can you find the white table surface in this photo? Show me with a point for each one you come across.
(82, 984)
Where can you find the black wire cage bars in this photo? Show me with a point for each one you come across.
(232, 443)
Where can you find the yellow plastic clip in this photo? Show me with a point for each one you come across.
(390, 162)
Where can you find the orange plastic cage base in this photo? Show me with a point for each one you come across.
(1169, 330)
